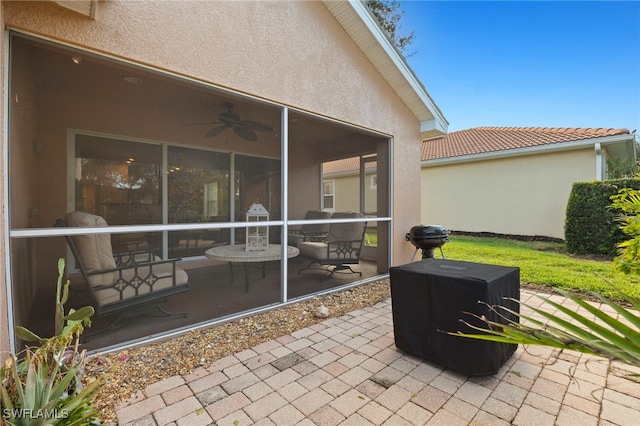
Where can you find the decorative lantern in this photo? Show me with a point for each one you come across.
(257, 236)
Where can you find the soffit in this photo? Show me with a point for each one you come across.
(361, 26)
(84, 7)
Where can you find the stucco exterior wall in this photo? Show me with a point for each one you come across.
(291, 53)
(524, 195)
(294, 53)
(347, 188)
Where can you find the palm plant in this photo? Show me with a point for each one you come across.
(604, 335)
(589, 329)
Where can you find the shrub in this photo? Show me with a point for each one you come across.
(42, 384)
(590, 226)
(628, 202)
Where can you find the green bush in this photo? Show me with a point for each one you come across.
(628, 202)
(590, 225)
(42, 385)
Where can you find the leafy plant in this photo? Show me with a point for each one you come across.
(620, 168)
(628, 201)
(42, 385)
(389, 14)
(598, 333)
(606, 336)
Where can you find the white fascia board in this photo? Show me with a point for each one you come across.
(563, 146)
(431, 117)
(433, 127)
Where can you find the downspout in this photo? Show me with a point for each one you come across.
(599, 171)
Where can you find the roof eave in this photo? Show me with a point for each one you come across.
(358, 21)
(628, 140)
(83, 7)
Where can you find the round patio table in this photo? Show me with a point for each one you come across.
(237, 254)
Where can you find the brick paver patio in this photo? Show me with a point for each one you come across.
(347, 371)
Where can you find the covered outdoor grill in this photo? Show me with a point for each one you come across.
(430, 297)
(427, 238)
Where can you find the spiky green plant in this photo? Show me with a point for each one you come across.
(41, 385)
(605, 336)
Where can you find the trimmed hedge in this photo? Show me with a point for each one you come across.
(590, 225)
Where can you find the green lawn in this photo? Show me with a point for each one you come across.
(371, 237)
(543, 264)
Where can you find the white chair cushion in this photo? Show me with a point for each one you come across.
(313, 250)
(349, 231)
(95, 251)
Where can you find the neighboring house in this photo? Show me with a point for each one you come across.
(502, 180)
(343, 183)
(164, 117)
(510, 180)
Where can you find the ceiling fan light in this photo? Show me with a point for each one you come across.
(131, 79)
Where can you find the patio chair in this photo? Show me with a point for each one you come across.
(121, 282)
(340, 249)
(310, 232)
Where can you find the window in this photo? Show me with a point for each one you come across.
(328, 187)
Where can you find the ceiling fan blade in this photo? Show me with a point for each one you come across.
(215, 131)
(245, 133)
(254, 125)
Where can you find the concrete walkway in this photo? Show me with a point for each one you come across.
(347, 371)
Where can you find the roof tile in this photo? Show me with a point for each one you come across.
(491, 139)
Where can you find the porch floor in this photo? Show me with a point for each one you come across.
(212, 295)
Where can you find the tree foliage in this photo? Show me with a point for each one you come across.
(627, 200)
(389, 14)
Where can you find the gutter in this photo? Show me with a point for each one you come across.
(599, 168)
(541, 149)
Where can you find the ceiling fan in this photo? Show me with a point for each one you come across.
(243, 128)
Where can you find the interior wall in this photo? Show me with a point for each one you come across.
(23, 171)
(304, 185)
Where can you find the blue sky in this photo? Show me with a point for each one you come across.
(536, 63)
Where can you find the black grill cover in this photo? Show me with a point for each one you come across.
(429, 298)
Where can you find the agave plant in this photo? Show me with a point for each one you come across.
(42, 384)
(604, 335)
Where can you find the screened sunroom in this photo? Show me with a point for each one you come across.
(172, 165)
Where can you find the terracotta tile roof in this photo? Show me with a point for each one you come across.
(491, 139)
(346, 165)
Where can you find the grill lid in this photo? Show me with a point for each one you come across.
(428, 236)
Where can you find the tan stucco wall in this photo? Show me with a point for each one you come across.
(524, 195)
(347, 190)
(293, 53)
